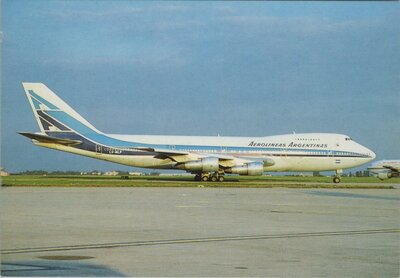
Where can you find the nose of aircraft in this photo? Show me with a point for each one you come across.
(367, 152)
(370, 153)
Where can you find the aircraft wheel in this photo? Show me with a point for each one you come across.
(221, 178)
(336, 179)
(204, 178)
(213, 178)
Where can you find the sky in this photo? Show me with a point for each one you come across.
(202, 68)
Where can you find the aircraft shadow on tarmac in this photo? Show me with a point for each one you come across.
(60, 268)
(144, 178)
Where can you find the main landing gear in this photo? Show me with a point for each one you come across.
(214, 177)
(336, 179)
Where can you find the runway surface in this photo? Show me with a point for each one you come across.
(199, 232)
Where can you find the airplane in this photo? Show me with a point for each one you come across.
(385, 169)
(209, 158)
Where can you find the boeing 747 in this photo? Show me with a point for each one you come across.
(207, 157)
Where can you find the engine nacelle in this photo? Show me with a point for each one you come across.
(207, 164)
(384, 175)
(250, 169)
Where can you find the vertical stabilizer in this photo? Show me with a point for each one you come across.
(52, 113)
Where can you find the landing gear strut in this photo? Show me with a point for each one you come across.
(336, 179)
(213, 177)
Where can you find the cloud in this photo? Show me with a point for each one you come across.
(168, 57)
(107, 10)
(301, 25)
(90, 14)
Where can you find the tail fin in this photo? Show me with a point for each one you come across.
(52, 113)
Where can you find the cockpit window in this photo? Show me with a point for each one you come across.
(349, 139)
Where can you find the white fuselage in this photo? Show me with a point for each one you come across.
(292, 152)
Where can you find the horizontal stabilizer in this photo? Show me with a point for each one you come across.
(48, 139)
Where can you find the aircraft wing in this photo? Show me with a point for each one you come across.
(49, 139)
(162, 151)
(230, 160)
(183, 156)
(390, 167)
(178, 156)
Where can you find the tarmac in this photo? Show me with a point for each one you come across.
(200, 232)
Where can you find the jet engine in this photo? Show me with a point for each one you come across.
(250, 169)
(207, 164)
(384, 175)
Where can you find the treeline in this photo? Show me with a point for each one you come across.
(83, 173)
(42, 172)
(365, 173)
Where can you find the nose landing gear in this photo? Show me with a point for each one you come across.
(336, 179)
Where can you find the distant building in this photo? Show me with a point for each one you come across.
(304, 175)
(111, 173)
(136, 174)
(95, 173)
(3, 173)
